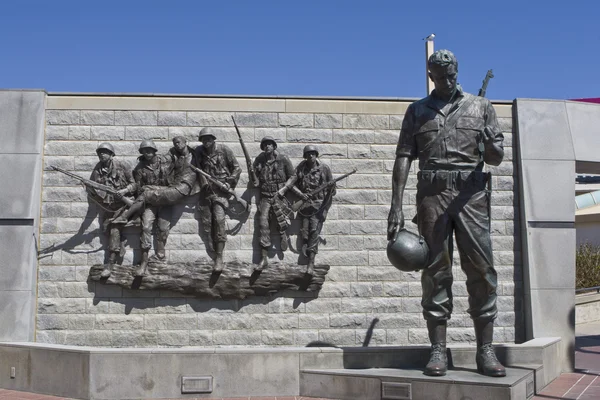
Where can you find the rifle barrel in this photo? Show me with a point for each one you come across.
(95, 185)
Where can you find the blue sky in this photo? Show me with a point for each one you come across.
(537, 49)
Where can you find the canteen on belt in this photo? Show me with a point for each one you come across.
(409, 252)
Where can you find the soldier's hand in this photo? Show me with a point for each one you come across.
(395, 222)
(304, 196)
(226, 185)
(488, 135)
(231, 181)
(281, 192)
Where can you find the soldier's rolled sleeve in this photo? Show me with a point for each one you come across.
(232, 164)
(137, 177)
(328, 177)
(407, 146)
(288, 168)
(128, 176)
(491, 122)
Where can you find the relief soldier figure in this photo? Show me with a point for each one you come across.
(182, 154)
(152, 172)
(275, 176)
(452, 134)
(310, 175)
(160, 181)
(218, 161)
(116, 175)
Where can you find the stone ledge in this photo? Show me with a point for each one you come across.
(587, 298)
(282, 104)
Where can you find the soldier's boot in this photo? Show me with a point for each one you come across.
(136, 208)
(487, 363)
(284, 241)
(108, 267)
(438, 360)
(264, 259)
(310, 268)
(218, 265)
(143, 267)
(159, 251)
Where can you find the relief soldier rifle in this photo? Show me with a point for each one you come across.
(96, 185)
(488, 76)
(221, 186)
(251, 172)
(298, 204)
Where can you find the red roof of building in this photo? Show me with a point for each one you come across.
(591, 100)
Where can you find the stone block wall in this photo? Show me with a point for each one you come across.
(363, 295)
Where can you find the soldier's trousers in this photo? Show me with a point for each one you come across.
(266, 209)
(212, 214)
(456, 202)
(160, 214)
(312, 218)
(112, 231)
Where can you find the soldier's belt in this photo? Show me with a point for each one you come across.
(271, 187)
(441, 179)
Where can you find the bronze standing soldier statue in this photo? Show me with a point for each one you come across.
(275, 176)
(219, 162)
(452, 134)
(116, 175)
(311, 174)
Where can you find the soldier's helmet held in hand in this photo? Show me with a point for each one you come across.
(105, 146)
(206, 132)
(266, 140)
(309, 148)
(409, 252)
(147, 144)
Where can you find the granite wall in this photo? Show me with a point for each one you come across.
(362, 290)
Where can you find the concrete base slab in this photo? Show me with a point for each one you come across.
(398, 384)
(133, 373)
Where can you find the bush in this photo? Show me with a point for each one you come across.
(587, 266)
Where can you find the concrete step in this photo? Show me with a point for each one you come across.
(411, 384)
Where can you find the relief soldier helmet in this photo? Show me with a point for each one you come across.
(309, 148)
(266, 140)
(409, 252)
(147, 144)
(206, 132)
(105, 146)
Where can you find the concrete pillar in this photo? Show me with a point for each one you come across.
(21, 146)
(547, 195)
(428, 52)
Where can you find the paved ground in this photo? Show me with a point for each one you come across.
(585, 383)
(581, 385)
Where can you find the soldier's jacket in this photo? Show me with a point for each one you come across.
(448, 136)
(272, 174)
(311, 178)
(116, 175)
(157, 172)
(221, 165)
(184, 178)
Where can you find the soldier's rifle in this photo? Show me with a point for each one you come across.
(251, 172)
(96, 185)
(486, 80)
(481, 148)
(298, 204)
(221, 186)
